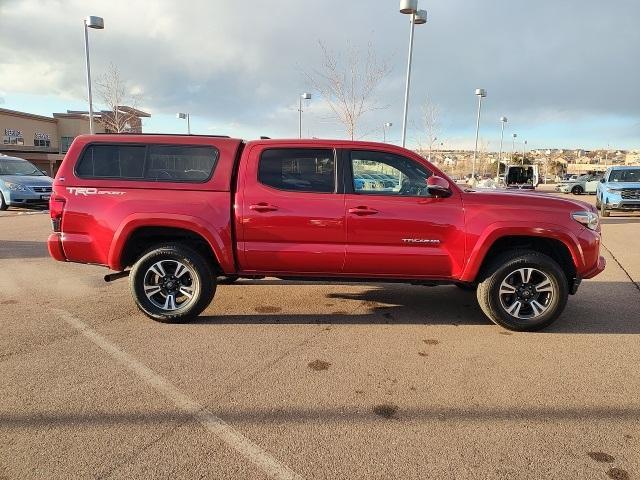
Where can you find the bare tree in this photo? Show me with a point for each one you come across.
(430, 123)
(119, 102)
(348, 83)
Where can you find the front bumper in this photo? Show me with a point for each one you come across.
(598, 268)
(620, 204)
(25, 199)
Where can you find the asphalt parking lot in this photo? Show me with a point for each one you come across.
(289, 379)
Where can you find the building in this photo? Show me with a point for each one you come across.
(44, 140)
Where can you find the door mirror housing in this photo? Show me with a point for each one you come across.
(438, 186)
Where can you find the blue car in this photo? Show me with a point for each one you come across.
(619, 189)
(22, 184)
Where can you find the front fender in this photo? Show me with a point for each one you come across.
(498, 230)
(219, 239)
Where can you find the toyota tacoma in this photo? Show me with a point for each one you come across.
(180, 213)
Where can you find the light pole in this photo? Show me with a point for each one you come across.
(418, 17)
(431, 146)
(524, 147)
(98, 24)
(304, 96)
(480, 93)
(513, 146)
(503, 120)
(384, 130)
(186, 116)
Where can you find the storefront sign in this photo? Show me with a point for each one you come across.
(12, 137)
(42, 136)
(10, 132)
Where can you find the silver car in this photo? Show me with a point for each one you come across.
(582, 184)
(22, 184)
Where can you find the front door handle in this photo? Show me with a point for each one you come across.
(263, 207)
(362, 210)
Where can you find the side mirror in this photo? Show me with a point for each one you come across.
(438, 186)
(602, 180)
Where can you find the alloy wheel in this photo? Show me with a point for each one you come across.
(170, 285)
(526, 293)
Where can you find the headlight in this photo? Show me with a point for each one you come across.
(588, 219)
(613, 190)
(16, 187)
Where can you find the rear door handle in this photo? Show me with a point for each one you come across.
(263, 207)
(362, 210)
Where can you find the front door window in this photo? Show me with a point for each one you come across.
(380, 173)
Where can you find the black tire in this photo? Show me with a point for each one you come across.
(577, 190)
(504, 267)
(467, 287)
(199, 280)
(603, 210)
(227, 279)
(3, 204)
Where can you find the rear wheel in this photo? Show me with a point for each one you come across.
(577, 190)
(3, 204)
(523, 291)
(172, 283)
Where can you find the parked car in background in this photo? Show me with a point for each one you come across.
(619, 189)
(22, 184)
(582, 184)
(521, 176)
(568, 177)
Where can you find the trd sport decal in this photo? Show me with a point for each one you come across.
(84, 191)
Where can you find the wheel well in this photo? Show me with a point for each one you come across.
(142, 239)
(549, 246)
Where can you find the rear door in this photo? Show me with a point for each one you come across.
(291, 217)
(398, 229)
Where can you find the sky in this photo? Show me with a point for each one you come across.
(566, 73)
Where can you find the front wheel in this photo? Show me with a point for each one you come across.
(523, 291)
(3, 204)
(577, 190)
(603, 209)
(172, 283)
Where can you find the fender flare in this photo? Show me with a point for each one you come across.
(498, 230)
(221, 250)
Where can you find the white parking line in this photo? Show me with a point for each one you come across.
(234, 439)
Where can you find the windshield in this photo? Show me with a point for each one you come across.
(18, 167)
(631, 175)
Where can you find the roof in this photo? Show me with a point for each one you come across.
(84, 113)
(7, 157)
(27, 115)
(625, 167)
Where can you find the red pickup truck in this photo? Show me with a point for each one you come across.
(180, 213)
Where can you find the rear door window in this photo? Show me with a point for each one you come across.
(159, 163)
(298, 169)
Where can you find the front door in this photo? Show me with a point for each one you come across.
(292, 216)
(394, 227)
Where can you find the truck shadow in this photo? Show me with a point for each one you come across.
(599, 307)
(22, 249)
